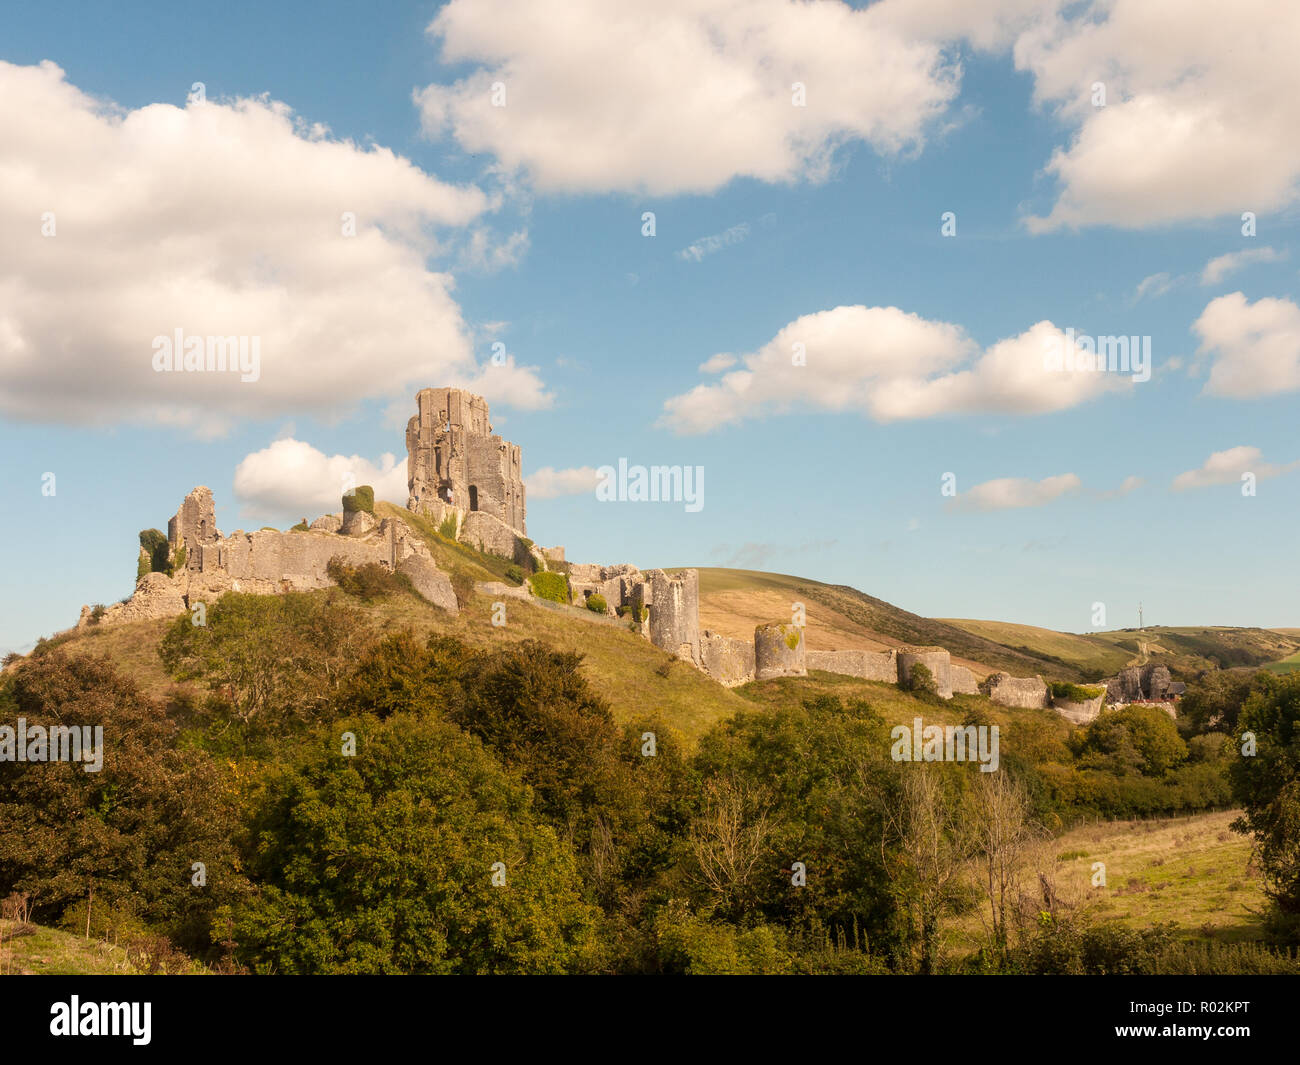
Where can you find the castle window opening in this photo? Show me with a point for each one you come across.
(473, 497)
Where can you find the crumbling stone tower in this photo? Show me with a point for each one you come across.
(454, 460)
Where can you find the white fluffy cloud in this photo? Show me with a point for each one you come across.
(1012, 493)
(1224, 265)
(292, 479)
(1226, 467)
(548, 482)
(672, 96)
(891, 366)
(1255, 347)
(1202, 104)
(221, 219)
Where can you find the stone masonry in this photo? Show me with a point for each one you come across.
(455, 463)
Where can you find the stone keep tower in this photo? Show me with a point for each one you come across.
(454, 461)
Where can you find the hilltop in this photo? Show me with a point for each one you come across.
(733, 601)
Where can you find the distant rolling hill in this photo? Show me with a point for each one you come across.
(733, 601)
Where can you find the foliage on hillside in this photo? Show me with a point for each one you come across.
(351, 786)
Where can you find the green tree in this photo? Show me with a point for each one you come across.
(1267, 783)
(1214, 700)
(1132, 739)
(124, 838)
(384, 863)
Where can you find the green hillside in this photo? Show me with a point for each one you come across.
(732, 601)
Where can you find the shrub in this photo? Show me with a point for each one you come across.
(302, 526)
(143, 565)
(447, 530)
(514, 574)
(97, 613)
(155, 545)
(596, 603)
(368, 582)
(921, 680)
(462, 583)
(552, 586)
(179, 563)
(361, 498)
(1074, 693)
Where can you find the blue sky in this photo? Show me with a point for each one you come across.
(523, 225)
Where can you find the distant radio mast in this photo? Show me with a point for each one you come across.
(1140, 625)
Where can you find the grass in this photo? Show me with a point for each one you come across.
(1286, 665)
(1194, 872)
(51, 952)
(733, 601)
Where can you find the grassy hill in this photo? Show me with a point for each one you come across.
(631, 674)
(637, 678)
(733, 601)
(1192, 871)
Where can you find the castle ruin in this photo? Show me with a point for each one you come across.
(454, 462)
(469, 482)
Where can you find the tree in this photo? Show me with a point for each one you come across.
(932, 848)
(1132, 739)
(1214, 700)
(818, 774)
(1004, 837)
(1267, 783)
(122, 840)
(419, 854)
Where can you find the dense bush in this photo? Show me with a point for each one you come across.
(369, 581)
(273, 662)
(1131, 739)
(462, 584)
(154, 544)
(596, 603)
(552, 586)
(360, 498)
(514, 574)
(921, 681)
(1075, 693)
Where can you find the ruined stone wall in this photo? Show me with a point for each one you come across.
(867, 665)
(1025, 693)
(779, 651)
(1135, 684)
(1080, 712)
(493, 536)
(963, 680)
(730, 662)
(270, 562)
